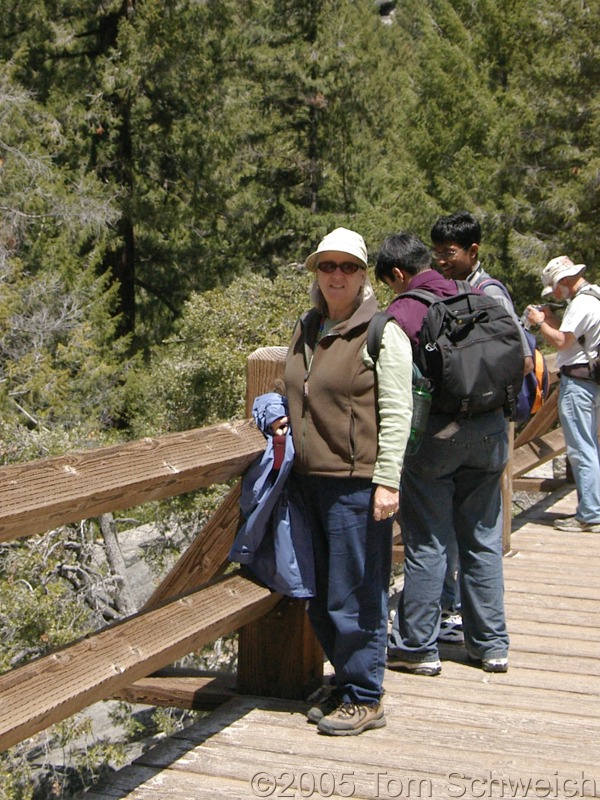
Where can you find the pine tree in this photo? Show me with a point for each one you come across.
(60, 354)
(551, 163)
(136, 90)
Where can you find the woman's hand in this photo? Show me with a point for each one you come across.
(280, 426)
(386, 502)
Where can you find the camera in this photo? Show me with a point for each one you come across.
(525, 317)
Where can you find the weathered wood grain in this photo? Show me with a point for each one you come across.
(207, 554)
(461, 734)
(37, 496)
(278, 654)
(538, 451)
(58, 685)
(541, 422)
(181, 691)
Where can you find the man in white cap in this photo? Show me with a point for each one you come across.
(577, 340)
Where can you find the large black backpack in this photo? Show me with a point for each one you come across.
(535, 386)
(471, 350)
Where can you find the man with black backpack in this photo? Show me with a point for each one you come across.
(453, 481)
(456, 239)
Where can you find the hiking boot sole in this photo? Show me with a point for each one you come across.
(329, 730)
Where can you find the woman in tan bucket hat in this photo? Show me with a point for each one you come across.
(350, 425)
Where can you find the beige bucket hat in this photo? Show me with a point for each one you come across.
(340, 240)
(557, 269)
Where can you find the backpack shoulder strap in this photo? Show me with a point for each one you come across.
(374, 336)
(463, 287)
(375, 333)
(493, 282)
(593, 291)
(429, 298)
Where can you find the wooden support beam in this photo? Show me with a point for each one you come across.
(264, 373)
(506, 489)
(278, 655)
(398, 554)
(195, 692)
(207, 554)
(541, 422)
(538, 452)
(397, 544)
(538, 484)
(62, 683)
(40, 495)
(204, 558)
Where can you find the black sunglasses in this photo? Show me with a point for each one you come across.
(347, 267)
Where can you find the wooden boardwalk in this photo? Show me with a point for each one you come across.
(533, 732)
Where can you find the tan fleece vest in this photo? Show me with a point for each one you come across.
(331, 397)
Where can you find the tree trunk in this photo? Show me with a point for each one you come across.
(123, 597)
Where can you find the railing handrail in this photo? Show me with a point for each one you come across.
(191, 607)
(40, 495)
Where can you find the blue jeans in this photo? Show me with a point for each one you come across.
(353, 556)
(453, 484)
(578, 406)
(450, 600)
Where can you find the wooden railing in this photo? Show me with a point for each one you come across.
(198, 601)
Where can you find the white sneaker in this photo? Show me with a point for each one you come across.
(494, 664)
(428, 668)
(498, 664)
(451, 628)
(574, 525)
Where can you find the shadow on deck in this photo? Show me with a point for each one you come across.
(533, 732)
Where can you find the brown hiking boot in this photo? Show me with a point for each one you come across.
(350, 719)
(324, 701)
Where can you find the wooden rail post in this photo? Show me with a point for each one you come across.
(507, 491)
(278, 654)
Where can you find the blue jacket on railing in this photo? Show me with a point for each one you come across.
(274, 541)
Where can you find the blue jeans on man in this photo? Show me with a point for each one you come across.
(450, 600)
(353, 556)
(578, 409)
(453, 483)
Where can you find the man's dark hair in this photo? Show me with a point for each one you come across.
(403, 250)
(461, 227)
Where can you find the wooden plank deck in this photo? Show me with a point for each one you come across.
(533, 732)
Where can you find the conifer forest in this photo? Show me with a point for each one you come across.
(165, 168)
